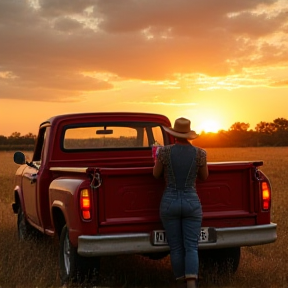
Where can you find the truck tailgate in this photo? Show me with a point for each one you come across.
(228, 195)
(130, 198)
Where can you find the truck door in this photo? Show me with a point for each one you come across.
(29, 194)
(31, 179)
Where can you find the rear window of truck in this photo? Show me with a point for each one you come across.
(112, 135)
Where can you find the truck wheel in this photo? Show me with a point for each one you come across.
(67, 258)
(73, 267)
(225, 260)
(25, 230)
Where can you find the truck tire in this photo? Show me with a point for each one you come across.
(73, 267)
(25, 230)
(224, 260)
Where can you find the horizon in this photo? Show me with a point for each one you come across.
(199, 132)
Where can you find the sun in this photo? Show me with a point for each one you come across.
(210, 126)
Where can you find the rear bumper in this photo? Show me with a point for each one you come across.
(139, 243)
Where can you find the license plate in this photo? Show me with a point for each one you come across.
(159, 236)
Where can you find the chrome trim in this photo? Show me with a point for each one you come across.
(243, 236)
(69, 169)
(104, 245)
(137, 243)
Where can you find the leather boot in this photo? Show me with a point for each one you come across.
(191, 283)
(180, 283)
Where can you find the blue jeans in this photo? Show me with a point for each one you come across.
(181, 215)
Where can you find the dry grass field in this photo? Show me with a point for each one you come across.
(35, 264)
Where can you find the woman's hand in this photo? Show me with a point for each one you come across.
(157, 169)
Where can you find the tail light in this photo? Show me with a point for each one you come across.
(266, 196)
(85, 204)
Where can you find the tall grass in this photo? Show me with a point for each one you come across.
(35, 264)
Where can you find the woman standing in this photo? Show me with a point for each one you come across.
(180, 208)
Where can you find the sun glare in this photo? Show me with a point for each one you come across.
(210, 126)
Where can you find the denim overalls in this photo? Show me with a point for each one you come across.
(180, 208)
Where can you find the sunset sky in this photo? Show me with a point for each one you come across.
(215, 62)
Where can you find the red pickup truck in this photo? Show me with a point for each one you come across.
(90, 183)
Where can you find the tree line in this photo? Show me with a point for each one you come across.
(238, 135)
(17, 142)
(273, 134)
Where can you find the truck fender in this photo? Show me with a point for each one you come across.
(18, 200)
(58, 217)
(63, 198)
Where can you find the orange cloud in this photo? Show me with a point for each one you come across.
(49, 45)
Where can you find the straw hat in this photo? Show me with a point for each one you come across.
(182, 129)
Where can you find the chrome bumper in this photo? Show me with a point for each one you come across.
(138, 243)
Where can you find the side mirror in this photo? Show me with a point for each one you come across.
(19, 158)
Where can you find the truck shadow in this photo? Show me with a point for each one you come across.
(135, 271)
(139, 271)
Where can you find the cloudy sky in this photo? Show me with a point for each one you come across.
(216, 62)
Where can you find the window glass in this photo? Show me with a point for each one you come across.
(40, 145)
(158, 135)
(112, 136)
